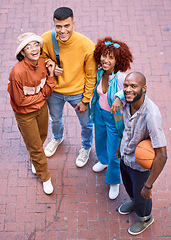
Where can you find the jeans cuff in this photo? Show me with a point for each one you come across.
(145, 218)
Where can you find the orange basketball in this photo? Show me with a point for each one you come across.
(145, 154)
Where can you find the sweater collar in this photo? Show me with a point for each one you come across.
(30, 65)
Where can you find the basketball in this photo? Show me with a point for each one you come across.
(145, 154)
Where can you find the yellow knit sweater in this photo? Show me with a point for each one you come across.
(77, 61)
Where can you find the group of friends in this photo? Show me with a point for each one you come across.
(93, 80)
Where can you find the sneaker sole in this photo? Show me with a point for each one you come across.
(132, 233)
(83, 164)
(113, 198)
(33, 171)
(124, 213)
(99, 170)
(48, 193)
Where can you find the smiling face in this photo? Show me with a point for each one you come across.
(134, 88)
(64, 28)
(108, 62)
(32, 52)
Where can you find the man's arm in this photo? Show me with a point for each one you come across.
(120, 95)
(48, 52)
(157, 167)
(90, 82)
(90, 77)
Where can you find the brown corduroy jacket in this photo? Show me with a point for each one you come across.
(29, 85)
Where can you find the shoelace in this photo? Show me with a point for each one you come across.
(51, 144)
(83, 154)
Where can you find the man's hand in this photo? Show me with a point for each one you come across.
(146, 193)
(58, 71)
(157, 167)
(116, 106)
(81, 107)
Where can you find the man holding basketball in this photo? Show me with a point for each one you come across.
(142, 120)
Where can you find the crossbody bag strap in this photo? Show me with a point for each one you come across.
(56, 47)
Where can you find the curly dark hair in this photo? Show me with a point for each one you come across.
(122, 54)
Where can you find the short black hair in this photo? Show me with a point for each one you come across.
(63, 13)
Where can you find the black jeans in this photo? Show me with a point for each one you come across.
(133, 181)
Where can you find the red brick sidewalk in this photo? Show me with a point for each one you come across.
(79, 208)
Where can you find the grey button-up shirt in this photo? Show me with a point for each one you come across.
(143, 124)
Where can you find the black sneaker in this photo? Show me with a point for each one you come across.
(126, 207)
(140, 226)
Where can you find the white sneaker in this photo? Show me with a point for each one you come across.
(51, 148)
(47, 187)
(98, 167)
(114, 191)
(33, 169)
(83, 157)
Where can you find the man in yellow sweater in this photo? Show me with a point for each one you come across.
(75, 80)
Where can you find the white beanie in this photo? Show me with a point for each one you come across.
(26, 38)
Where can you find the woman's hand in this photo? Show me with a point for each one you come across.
(118, 153)
(50, 66)
(116, 106)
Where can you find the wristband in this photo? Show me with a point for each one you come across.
(149, 188)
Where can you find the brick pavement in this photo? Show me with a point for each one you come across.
(79, 208)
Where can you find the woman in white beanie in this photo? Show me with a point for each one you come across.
(31, 81)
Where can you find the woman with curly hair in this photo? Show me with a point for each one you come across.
(113, 58)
